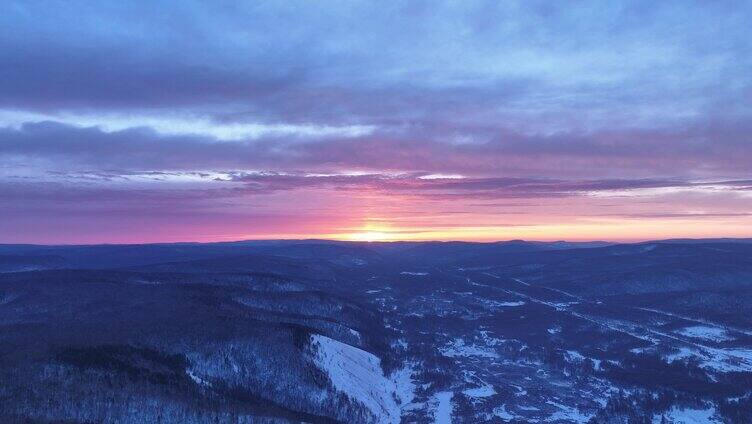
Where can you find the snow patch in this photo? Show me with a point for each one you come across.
(689, 416)
(508, 304)
(502, 413)
(196, 379)
(404, 384)
(567, 413)
(495, 341)
(682, 353)
(399, 344)
(597, 364)
(721, 360)
(442, 413)
(714, 334)
(358, 374)
(574, 356)
(458, 348)
(483, 391)
(356, 334)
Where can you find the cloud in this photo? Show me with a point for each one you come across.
(168, 125)
(704, 150)
(150, 108)
(295, 62)
(414, 184)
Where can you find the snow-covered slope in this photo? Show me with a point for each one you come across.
(442, 414)
(358, 374)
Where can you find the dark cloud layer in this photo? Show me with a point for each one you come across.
(700, 151)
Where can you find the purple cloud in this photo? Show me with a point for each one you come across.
(630, 109)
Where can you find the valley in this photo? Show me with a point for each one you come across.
(378, 332)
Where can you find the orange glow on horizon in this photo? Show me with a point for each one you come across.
(372, 231)
(601, 229)
(369, 236)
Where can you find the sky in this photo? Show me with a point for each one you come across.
(162, 121)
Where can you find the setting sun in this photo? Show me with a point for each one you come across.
(370, 236)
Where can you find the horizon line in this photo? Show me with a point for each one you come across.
(373, 242)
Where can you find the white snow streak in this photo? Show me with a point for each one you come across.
(443, 412)
(358, 374)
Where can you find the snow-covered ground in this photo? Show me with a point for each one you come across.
(358, 374)
(574, 356)
(483, 391)
(492, 369)
(689, 416)
(495, 341)
(457, 347)
(404, 384)
(501, 412)
(442, 413)
(714, 334)
(567, 413)
(508, 304)
(196, 379)
(721, 360)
